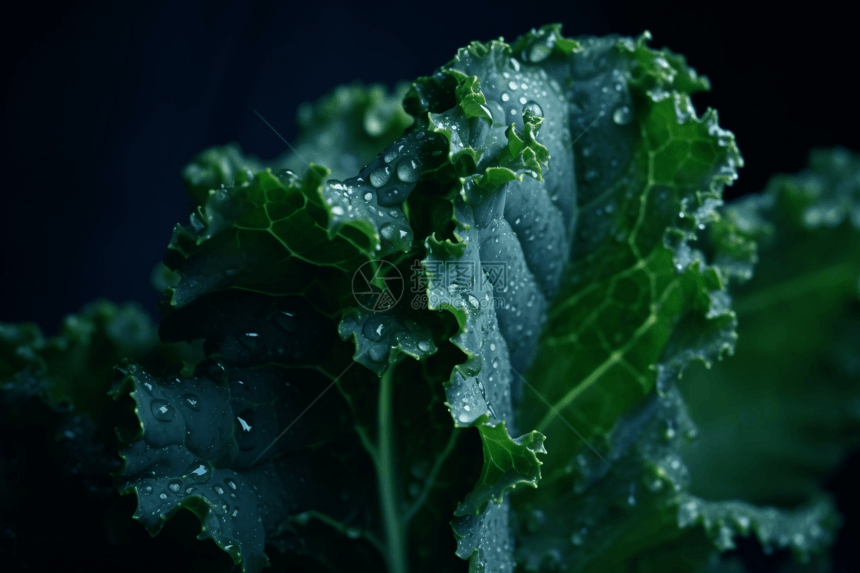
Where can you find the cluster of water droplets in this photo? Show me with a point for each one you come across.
(482, 384)
(490, 534)
(376, 193)
(380, 333)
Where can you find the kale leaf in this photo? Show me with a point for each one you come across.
(555, 206)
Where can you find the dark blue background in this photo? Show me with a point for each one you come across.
(104, 103)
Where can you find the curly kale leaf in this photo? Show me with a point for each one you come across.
(342, 130)
(263, 274)
(656, 502)
(198, 449)
(782, 413)
(636, 512)
(568, 235)
(73, 369)
(549, 199)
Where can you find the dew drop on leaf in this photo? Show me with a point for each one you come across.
(192, 402)
(622, 115)
(379, 352)
(163, 411)
(539, 52)
(407, 170)
(388, 232)
(534, 108)
(374, 328)
(380, 176)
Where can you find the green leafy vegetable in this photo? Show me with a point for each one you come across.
(555, 206)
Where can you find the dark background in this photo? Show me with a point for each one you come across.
(103, 104)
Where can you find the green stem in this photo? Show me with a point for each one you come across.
(394, 526)
(431, 477)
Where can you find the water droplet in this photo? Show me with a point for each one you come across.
(390, 156)
(534, 108)
(513, 85)
(235, 512)
(622, 115)
(192, 402)
(246, 427)
(506, 96)
(380, 176)
(539, 51)
(375, 327)
(287, 321)
(423, 345)
(198, 472)
(670, 430)
(379, 352)
(163, 411)
(464, 418)
(213, 368)
(175, 485)
(407, 170)
(163, 496)
(368, 196)
(219, 490)
(231, 483)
